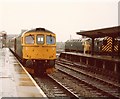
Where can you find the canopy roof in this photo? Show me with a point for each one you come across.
(112, 31)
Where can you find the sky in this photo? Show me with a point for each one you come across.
(63, 17)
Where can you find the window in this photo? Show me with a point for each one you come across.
(40, 39)
(29, 39)
(50, 39)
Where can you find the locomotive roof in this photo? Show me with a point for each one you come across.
(38, 30)
(112, 31)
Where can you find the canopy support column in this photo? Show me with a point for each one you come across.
(92, 50)
(119, 49)
(113, 43)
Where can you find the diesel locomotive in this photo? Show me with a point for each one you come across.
(101, 45)
(36, 49)
(77, 45)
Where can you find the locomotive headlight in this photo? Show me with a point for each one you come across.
(52, 62)
(29, 63)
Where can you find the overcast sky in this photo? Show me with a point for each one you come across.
(63, 17)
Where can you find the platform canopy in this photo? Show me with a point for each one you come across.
(112, 31)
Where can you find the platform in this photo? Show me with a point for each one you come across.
(103, 57)
(15, 81)
(106, 63)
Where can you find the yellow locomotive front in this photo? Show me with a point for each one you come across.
(39, 50)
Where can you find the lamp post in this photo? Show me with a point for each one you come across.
(3, 36)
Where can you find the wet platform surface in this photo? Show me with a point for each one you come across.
(14, 79)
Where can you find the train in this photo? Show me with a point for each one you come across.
(76, 45)
(102, 46)
(36, 50)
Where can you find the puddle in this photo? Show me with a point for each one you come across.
(16, 64)
(24, 79)
(19, 70)
(26, 83)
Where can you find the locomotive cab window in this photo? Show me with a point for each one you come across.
(29, 39)
(50, 39)
(40, 39)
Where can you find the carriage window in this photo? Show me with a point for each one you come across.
(50, 39)
(40, 39)
(29, 39)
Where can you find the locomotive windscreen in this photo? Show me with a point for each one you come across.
(29, 39)
(50, 39)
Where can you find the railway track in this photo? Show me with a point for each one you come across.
(53, 88)
(85, 69)
(91, 69)
(91, 81)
